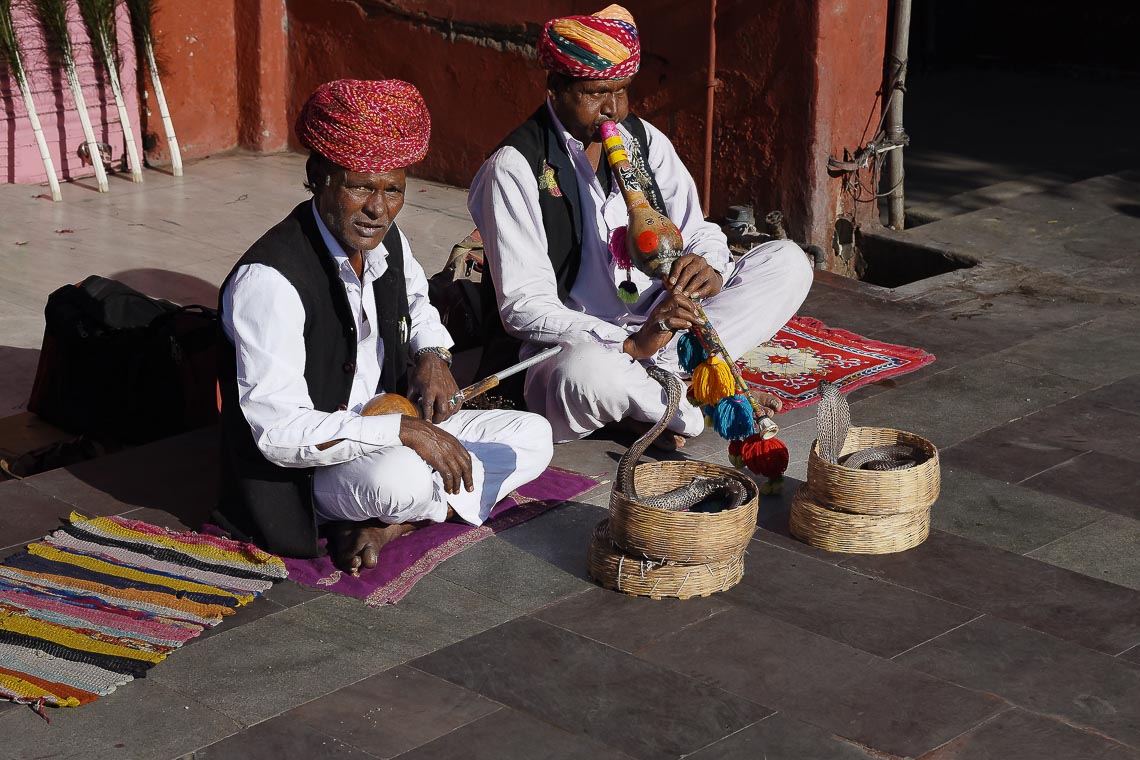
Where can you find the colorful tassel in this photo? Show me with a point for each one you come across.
(767, 457)
(733, 417)
(736, 454)
(690, 351)
(628, 292)
(712, 381)
(710, 413)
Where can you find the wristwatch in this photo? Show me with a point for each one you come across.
(439, 351)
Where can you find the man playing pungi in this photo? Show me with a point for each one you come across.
(548, 212)
(328, 309)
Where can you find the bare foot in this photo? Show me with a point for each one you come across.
(357, 545)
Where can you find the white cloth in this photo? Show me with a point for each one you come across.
(592, 382)
(504, 204)
(262, 314)
(588, 386)
(508, 449)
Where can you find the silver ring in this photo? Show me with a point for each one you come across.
(662, 326)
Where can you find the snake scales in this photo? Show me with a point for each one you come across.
(833, 419)
(688, 496)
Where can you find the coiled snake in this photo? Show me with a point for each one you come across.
(683, 498)
(833, 419)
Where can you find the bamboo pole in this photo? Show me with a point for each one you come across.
(99, 15)
(53, 17)
(11, 53)
(142, 20)
(163, 110)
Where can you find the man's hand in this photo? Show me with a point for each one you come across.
(693, 277)
(441, 450)
(431, 387)
(674, 312)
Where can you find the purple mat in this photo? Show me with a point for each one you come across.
(410, 557)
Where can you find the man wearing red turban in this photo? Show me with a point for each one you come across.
(553, 222)
(328, 309)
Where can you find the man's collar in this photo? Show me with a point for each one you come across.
(568, 140)
(336, 250)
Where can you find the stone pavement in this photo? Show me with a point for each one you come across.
(1011, 633)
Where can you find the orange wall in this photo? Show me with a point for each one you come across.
(798, 81)
(196, 45)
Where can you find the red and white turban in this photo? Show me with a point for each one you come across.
(366, 126)
(602, 46)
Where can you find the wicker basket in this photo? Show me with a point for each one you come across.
(656, 580)
(837, 531)
(870, 492)
(690, 537)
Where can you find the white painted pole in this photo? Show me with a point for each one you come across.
(163, 111)
(41, 143)
(88, 133)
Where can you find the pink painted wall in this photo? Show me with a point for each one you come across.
(19, 157)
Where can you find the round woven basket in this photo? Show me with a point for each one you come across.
(660, 534)
(871, 492)
(836, 531)
(614, 570)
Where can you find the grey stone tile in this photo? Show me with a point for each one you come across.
(629, 623)
(27, 514)
(586, 687)
(275, 739)
(255, 671)
(512, 735)
(142, 720)
(507, 574)
(951, 406)
(1020, 735)
(1013, 451)
(260, 669)
(393, 712)
(856, 311)
(1107, 349)
(177, 475)
(1006, 516)
(1108, 549)
(1101, 480)
(844, 606)
(559, 537)
(782, 738)
(596, 456)
(1039, 673)
(436, 613)
(875, 702)
(1123, 395)
(1023, 590)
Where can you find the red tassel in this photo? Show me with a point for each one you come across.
(764, 457)
(736, 453)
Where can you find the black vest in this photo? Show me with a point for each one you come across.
(260, 501)
(540, 143)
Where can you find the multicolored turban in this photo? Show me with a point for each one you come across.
(366, 126)
(602, 46)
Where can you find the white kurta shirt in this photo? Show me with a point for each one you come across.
(262, 314)
(504, 202)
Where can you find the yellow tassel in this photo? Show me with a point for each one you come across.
(712, 381)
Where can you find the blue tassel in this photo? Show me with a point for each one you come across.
(690, 351)
(732, 418)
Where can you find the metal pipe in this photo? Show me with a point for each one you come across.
(707, 185)
(896, 214)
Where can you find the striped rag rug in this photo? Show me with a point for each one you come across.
(98, 602)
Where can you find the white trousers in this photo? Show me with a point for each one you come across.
(508, 449)
(590, 385)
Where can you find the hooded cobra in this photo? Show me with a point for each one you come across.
(683, 498)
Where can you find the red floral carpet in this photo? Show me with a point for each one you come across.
(806, 351)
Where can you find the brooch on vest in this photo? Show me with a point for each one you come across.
(547, 181)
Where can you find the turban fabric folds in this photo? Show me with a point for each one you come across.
(366, 126)
(602, 46)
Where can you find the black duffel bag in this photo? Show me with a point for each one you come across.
(119, 364)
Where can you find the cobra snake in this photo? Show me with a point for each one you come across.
(833, 419)
(688, 496)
